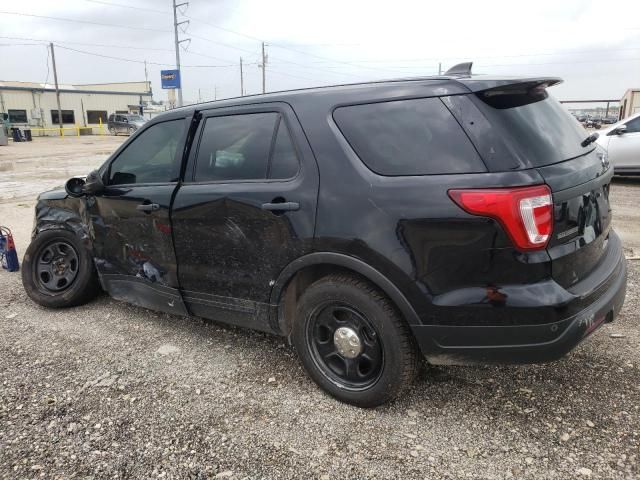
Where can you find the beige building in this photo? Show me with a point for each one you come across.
(630, 103)
(34, 104)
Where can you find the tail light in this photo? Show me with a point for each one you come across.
(526, 213)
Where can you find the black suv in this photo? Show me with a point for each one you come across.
(463, 218)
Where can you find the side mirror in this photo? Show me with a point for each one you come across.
(75, 187)
(621, 130)
(93, 184)
(124, 120)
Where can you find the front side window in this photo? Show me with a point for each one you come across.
(245, 147)
(633, 126)
(408, 137)
(151, 157)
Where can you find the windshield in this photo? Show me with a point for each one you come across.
(542, 131)
(135, 118)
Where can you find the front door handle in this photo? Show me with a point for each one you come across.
(281, 206)
(148, 207)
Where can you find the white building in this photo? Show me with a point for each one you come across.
(630, 103)
(34, 104)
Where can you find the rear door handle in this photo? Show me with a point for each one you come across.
(283, 206)
(148, 207)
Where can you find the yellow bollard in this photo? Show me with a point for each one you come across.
(62, 132)
(101, 126)
(77, 131)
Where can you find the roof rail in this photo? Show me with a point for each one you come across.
(460, 69)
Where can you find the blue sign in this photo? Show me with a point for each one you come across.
(170, 78)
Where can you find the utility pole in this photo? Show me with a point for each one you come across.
(440, 68)
(55, 79)
(241, 79)
(146, 73)
(177, 44)
(264, 69)
(199, 97)
(215, 92)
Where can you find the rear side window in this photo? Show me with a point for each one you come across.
(408, 137)
(253, 146)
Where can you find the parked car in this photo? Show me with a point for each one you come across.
(609, 120)
(592, 122)
(465, 219)
(622, 144)
(124, 123)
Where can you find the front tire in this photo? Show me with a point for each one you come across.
(113, 131)
(353, 343)
(58, 270)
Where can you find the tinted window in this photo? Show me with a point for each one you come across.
(235, 147)
(150, 157)
(94, 116)
(633, 126)
(408, 137)
(17, 116)
(543, 132)
(284, 161)
(67, 116)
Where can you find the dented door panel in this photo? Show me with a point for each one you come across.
(133, 248)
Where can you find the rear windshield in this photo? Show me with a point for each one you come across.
(543, 131)
(408, 137)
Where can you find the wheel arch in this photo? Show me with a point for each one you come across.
(305, 270)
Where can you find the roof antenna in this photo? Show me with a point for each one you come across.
(460, 69)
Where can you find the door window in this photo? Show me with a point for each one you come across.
(633, 126)
(253, 146)
(284, 161)
(151, 156)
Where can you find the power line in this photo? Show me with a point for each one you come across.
(140, 61)
(106, 45)
(88, 22)
(129, 6)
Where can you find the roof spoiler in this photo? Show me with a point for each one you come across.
(460, 69)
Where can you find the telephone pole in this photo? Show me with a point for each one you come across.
(264, 70)
(55, 79)
(241, 79)
(440, 68)
(177, 44)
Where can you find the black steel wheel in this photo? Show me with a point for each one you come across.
(352, 341)
(345, 345)
(56, 266)
(58, 271)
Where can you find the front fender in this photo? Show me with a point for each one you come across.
(56, 211)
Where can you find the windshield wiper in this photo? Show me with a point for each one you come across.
(590, 139)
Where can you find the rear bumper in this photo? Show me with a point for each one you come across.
(534, 343)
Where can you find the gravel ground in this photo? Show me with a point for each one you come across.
(110, 390)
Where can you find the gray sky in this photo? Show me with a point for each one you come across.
(593, 46)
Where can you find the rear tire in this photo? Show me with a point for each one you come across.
(58, 271)
(353, 343)
(113, 131)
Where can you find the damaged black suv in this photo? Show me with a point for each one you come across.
(461, 218)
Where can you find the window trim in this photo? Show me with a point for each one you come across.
(190, 170)
(106, 175)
